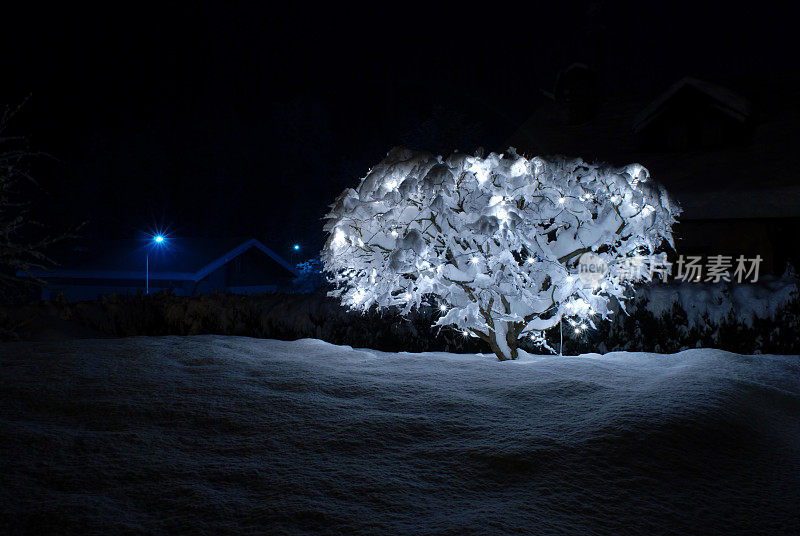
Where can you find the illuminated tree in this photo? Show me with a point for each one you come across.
(493, 242)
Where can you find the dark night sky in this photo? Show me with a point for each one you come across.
(219, 120)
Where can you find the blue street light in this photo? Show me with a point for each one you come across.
(296, 247)
(157, 241)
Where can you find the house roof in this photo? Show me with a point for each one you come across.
(189, 259)
(724, 100)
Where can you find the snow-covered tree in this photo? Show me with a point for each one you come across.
(493, 242)
(21, 246)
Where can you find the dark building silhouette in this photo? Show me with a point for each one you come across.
(186, 267)
(694, 115)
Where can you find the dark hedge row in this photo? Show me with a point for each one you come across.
(296, 316)
(672, 332)
(274, 316)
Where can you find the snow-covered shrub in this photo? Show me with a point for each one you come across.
(311, 278)
(493, 242)
(712, 303)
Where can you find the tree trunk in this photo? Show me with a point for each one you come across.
(503, 341)
(501, 336)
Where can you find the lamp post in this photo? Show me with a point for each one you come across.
(157, 241)
(295, 249)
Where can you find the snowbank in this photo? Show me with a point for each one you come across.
(219, 435)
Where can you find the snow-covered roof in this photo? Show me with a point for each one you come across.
(726, 101)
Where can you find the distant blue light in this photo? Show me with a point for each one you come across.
(296, 247)
(158, 239)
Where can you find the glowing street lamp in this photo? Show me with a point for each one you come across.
(158, 240)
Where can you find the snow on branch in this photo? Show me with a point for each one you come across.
(22, 248)
(493, 242)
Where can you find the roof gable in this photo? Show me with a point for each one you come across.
(238, 250)
(725, 100)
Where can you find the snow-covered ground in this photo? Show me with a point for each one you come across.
(217, 435)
